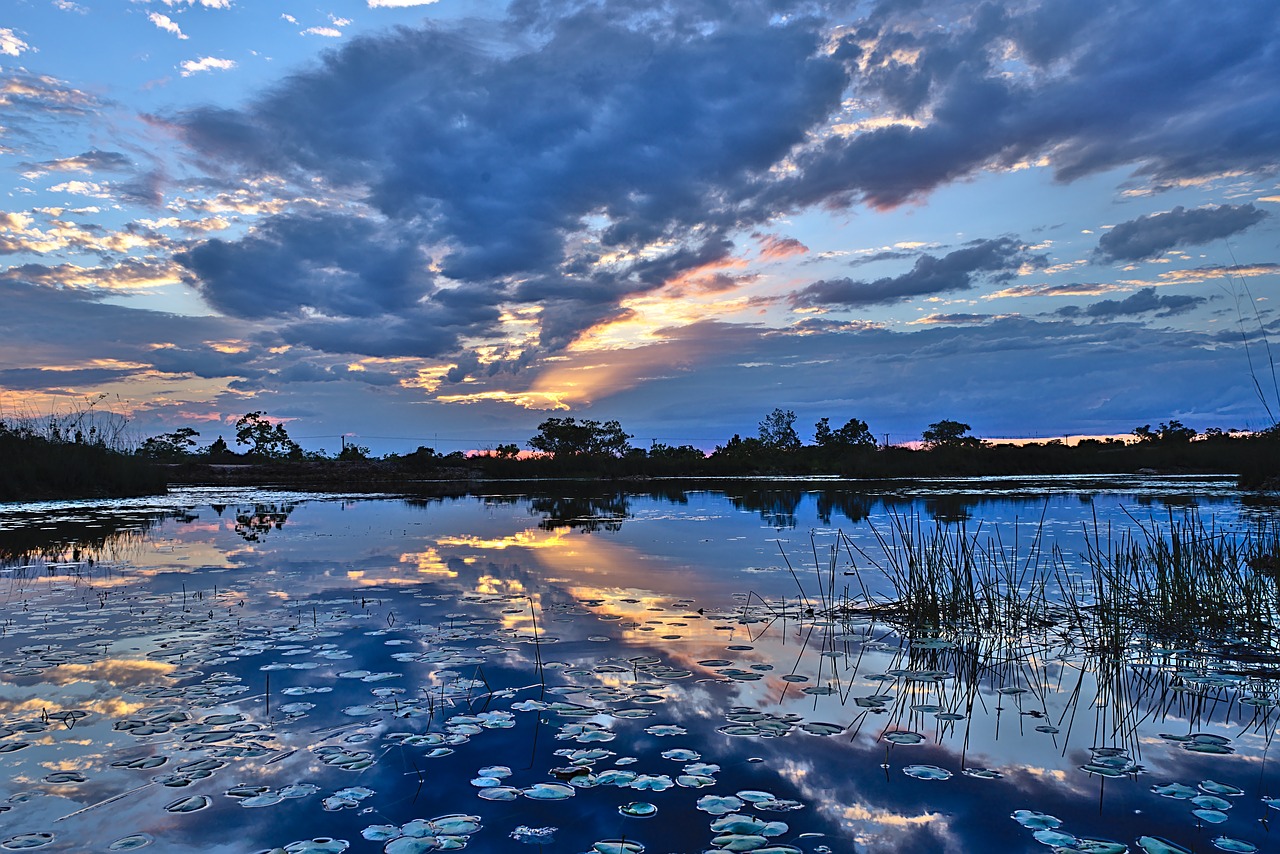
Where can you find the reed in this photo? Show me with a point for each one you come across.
(944, 579)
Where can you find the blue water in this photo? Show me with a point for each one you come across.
(248, 644)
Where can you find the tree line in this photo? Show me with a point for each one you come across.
(89, 453)
(568, 446)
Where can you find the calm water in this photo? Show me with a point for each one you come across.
(243, 671)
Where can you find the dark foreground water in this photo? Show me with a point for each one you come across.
(594, 670)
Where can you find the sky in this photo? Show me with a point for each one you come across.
(402, 223)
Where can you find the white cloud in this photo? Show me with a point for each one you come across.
(206, 63)
(289, 18)
(398, 4)
(81, 188)
(339, 22)
(328, 32)
(208, 4)
(10, 44)
(167, 24)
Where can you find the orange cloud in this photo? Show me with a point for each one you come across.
(774, 248)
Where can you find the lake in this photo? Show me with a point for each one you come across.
(580, 667)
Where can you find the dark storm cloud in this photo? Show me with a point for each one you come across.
(71, 326)
(41, 379)
(501, 155)
(1149, 236)
(1174, 90)
(994, 260)
(1142, 302)
(204, 361)
(425, 332)
(496, 146)
(332, 263)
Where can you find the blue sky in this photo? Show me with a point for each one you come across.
(440, 223)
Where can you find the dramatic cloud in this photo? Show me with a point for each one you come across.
(1142, 302)
(995, 260)
(530, 209)
(340, 284)
(544, 161)
(315, 264)
(1149, 236)
(606, 137)
(1176, 90)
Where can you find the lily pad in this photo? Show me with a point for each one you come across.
(927, 772)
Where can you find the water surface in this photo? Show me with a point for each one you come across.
(585, 668)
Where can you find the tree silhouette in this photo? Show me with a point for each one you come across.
(264, 438)
(949, 434)
(168, 445)
(854, 434)
(778, 431)
(1173, 432)
(567, 437)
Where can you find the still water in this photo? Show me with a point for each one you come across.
(593, 669)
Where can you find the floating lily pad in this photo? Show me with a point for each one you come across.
(981, 773)
(1222, 789)
(739, 842)
(132, 842)
(456, 824)
(1156, 845)
(548, 791)
(1177, 791)
(719, 804)
(24, 841)
(319, 845)
(926, 772)
(681, 754)
(617, 846)
(1211, 802)
(638, 809)
(194, 803)
(695, 781)
(1033, 820)
(499, 793)
(1055, 838)
(1086, 845)
(1226, 843)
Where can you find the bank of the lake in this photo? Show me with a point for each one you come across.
(1255, 461)
(34, 468)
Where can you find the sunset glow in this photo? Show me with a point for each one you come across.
(676, 217)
